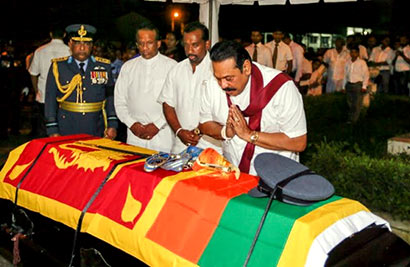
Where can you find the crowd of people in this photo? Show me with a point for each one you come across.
(387, 58)
(239, 98)
(356, 65)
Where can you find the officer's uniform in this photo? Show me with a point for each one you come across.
(78, 103)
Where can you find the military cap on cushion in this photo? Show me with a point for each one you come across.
(290, 181)
(81, 32)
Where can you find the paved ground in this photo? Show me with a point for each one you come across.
(4, 262)
(5, 147)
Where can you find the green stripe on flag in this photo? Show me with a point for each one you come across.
(233, 237)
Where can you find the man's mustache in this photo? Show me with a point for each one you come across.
(229, 89)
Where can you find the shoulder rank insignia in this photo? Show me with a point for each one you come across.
(103, 60)
(59, 59)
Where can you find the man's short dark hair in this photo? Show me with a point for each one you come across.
(57, 32)
(354, 47)
(256, 30)
(148, 26)
(384, 36)
(196, 25)
(176, 34)
(340, 39)
(230, 49)
(286, 35)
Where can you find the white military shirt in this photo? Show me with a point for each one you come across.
(284, 55)
(42, 61)
(264, 55)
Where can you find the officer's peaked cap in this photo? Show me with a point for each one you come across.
(81, 32)
(296, 183)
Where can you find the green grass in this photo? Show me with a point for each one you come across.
(386, 117)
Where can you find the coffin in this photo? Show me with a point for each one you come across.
(98, 187)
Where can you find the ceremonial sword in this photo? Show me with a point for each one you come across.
(143, 155)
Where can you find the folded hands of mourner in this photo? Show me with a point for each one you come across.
(236, 124)
(147, 131)
(189, 137)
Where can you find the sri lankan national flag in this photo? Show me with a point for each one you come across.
(166, 218)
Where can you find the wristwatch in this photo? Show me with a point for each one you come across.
(197, 131)
(254, 137)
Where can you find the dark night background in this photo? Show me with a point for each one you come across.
(27, 21)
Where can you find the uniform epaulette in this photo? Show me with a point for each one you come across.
(59, 59)
(103, 60)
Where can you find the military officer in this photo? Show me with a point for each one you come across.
(79, 90)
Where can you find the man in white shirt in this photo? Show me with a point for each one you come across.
(298, 57)
(355, 83)
(371, 43)
(183, 89)
(137, 89)
(258, 52)
(253, 108)
(38, 70)
(281, 54)
(382, 57)
(335, 61)
(356, 40)
(402, 66)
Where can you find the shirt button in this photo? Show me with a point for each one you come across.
(83, 113)
(63, 116)
(83, 101)
(84, 89)
(67, 82)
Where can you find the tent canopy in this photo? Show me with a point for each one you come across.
(209, 9)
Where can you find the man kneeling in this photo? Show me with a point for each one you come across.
(259, 109)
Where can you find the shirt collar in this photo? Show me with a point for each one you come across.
(78, 63)
(205, 63)
(151, 60)
(57, 41)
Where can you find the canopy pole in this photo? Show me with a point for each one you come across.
(210, 17)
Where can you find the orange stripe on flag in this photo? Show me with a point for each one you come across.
(192, 212)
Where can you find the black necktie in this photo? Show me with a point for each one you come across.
(82, 68)
(255, 54)
(275, 55)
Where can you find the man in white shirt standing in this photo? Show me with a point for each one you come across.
(355, 83)
(335, 61)
(281, 54)
(402, 66)
(137, 89)
(356, 39)
(252, 108)
(298, 57)
(382, 57)
(258, 52)
(183, 89)
(38, 70)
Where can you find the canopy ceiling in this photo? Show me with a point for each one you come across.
(209, 9)
(261, 2)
